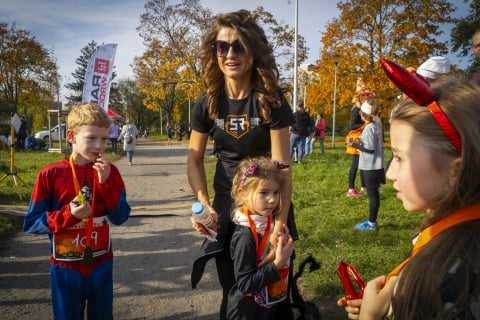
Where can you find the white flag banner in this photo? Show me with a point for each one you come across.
(98, 77)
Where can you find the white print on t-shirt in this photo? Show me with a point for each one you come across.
(220, 123)
(237, 125)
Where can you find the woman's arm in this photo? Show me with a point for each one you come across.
(196, 173)
(196, 169)
(281, 151)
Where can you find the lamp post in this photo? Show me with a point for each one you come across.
(295, 69)
(336, 59)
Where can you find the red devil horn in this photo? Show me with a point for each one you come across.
(414, 87)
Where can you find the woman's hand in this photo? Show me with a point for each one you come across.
(200, 228)
(376, 298)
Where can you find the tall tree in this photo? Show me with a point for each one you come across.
(28, 72)
(132, 101)
(462, 35)
(79, 74)
(406, 31)
(76, 86)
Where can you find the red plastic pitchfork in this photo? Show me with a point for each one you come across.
(344, 271)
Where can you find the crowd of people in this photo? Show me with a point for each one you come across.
(435, 167)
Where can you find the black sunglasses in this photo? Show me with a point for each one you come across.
(221, 48)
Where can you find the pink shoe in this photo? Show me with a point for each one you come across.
(352, 193)
(362, 190)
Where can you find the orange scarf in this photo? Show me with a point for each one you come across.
(260, 247)
(428, 234)
(76, 186)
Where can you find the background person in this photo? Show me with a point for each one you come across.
(169, 129)
(371, 162)
(434, 68)
(299, 131)
(319, 132)
(361, 95)
(476, 52)
(247, 115)
(113, 134)
(308, 139)
(129, 130)
(22, 133)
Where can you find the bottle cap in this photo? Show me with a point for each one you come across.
(197, 208)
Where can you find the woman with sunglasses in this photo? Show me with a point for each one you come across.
(436, 165)
(248, 115)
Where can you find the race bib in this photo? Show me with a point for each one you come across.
(275, 292)
(69, 244)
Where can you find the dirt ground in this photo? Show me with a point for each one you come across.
(153, 250)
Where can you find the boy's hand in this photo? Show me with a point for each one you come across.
(103, 168)
(81, 211)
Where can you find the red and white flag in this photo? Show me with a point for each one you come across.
(98, 77)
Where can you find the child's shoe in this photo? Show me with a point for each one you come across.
(352, 193)
(363, 190)
(366, 226)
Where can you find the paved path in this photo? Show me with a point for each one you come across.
(153, 250)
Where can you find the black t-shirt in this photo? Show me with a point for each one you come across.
(238, 133)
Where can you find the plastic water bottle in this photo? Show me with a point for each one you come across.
(202, 216)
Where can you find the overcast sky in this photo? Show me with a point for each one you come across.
(66, 26)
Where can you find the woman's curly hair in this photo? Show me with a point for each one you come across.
(265, 73)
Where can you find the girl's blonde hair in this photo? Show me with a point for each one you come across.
(89, 114)
(251, 172)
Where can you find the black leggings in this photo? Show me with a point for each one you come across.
(373, 178)
(353, 173)
(223, 261)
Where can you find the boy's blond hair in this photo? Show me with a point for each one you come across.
(89, 114)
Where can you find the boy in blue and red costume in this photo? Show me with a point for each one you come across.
(82, 256)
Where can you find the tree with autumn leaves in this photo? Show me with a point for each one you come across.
(168, 72)
(29, 79)
(405, 31)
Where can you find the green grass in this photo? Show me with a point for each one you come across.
(325, 219)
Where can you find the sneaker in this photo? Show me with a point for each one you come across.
(365, 226)
(363, 190)
(352, 193)
(381, 189)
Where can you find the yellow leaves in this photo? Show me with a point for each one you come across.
(366, 31)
